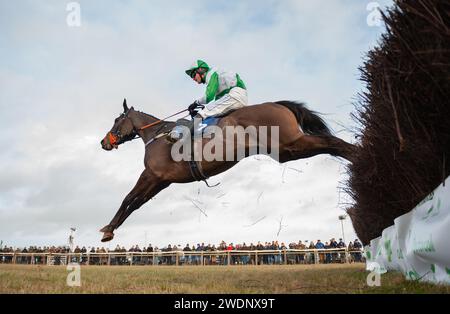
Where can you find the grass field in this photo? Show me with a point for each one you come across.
(211, 279)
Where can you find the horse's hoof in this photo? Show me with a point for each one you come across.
(107, 236)
(106, 229)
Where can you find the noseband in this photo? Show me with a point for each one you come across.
(115, 139)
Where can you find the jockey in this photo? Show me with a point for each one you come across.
(225, 91)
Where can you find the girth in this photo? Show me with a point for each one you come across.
(195, 166)
(196, 171)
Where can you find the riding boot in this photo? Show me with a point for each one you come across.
(176, 133)
(180, 129)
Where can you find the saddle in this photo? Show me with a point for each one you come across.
(165, 130)
(195, 166)
(201, 127)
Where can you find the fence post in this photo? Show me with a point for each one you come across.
(316, 257)
(176, 258)
(347, 260)
(285, 257)
(131, 259)
(256, 258)
(203, 261)
(109, 259)
(229, 258)
(14, 258)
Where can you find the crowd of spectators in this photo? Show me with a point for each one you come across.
(196, 254)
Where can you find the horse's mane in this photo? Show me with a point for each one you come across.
(151, 116)
(163, 125)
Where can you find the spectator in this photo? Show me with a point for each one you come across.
(319, 245)
(300, 257)
(333, 257)
(274, 253)
(357, 246)
(187, 259)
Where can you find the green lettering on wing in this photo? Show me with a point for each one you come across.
(428, 198)
(433, 211)
(378, 252)
(387, 247)
(426, 246)
(413, 275)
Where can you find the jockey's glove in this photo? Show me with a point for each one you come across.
(193, 108)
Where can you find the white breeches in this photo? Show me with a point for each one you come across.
(235, 99)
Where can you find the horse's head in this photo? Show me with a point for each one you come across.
(122, 131)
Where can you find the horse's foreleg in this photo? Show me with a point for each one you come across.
(141, 193)
(137, 190)
(312, 145)
(151, 191)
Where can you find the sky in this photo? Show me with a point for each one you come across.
(62, 86)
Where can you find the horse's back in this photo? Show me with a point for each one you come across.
(268, 113)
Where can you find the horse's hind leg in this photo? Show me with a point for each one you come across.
(311, 145)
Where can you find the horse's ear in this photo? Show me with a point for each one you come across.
(125, 107)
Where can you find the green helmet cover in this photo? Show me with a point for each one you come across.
(196, 65)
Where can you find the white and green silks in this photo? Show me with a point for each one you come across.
(225, 91)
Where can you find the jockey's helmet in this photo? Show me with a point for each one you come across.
(195, 66)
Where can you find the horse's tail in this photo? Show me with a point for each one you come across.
(308, 120)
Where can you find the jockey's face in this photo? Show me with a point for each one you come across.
(198, 78)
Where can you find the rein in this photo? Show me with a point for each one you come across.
(159, 121)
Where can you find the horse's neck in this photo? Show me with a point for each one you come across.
(140, 120)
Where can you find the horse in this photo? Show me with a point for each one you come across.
(302, 133)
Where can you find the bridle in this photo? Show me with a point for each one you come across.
(115, 138)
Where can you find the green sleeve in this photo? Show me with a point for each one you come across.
(212, 88)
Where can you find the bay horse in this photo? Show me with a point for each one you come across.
(302, 134)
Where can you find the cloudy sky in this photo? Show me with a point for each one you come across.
(61, 88)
